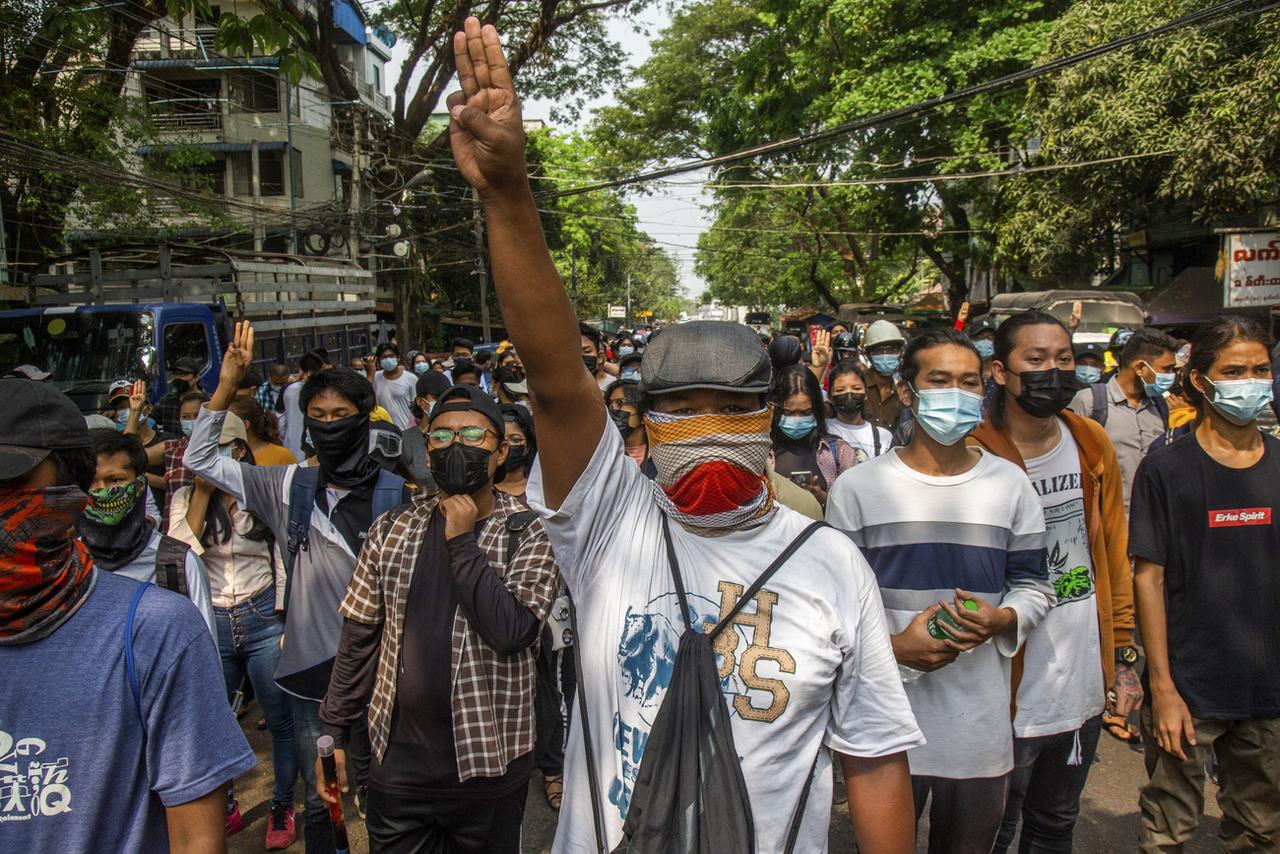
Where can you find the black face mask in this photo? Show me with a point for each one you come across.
(1046, 393)
(592, 363)
(180, 386)
(849, 405)
(460, 469)
(342, 447)
(622, 420)
(517, 455)
(507, 375)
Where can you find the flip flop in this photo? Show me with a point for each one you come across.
(553, 790)
(1118, 728)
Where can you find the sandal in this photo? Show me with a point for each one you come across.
(553, 790)
(1118, 728)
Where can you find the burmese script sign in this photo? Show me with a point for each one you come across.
(1252, 269)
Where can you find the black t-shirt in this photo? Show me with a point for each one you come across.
(420, 757)
(1216, 532)
(793, 455)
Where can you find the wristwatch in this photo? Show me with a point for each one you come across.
(1127, 655)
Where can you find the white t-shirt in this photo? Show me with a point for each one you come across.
(862, 437)
(924, 536)
(812, 664)
(1061, 684)
(396, 396)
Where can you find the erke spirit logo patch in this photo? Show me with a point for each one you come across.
(1242, 516)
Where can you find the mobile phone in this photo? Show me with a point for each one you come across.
(801, 478)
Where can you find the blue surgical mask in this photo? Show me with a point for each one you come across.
(629, 375)
(1163, 383)
(421, 368)
(226, 451)
(886, 365)
(188, 424)
(122, 418)
(1240, 401)
(797, 426)
(625, 351)
(986, 348)
(388, 364)
(948, 414)
(1089, 374)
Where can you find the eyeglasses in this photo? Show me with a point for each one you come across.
(517, 441)
(443, 437)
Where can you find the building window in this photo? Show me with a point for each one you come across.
(241, 173)
(377, 79)
(255, 92)
(296, 160)
(271, 174)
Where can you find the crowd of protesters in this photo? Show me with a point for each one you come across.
(706, 585)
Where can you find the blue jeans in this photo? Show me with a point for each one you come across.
(249, 644)
(1045, 790)
(318, 834)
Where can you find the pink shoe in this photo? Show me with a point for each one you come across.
(280, 828)
(235, 823)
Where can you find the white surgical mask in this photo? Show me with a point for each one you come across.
(948, 414)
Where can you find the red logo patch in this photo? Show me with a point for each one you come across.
(1242, 516)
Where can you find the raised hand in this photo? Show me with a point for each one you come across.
(235, 364)
(485, 128)
(822, 349)
(138, 396)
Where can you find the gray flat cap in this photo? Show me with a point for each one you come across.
(710, 354)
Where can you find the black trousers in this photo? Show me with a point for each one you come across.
(424, 825)
(557, 681)
(964, 815)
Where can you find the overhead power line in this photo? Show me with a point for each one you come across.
(1220, 11)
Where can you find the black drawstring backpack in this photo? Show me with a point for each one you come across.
(689, 796)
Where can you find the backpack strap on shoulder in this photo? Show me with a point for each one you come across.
(171, 565)
(593, 780)
(130, 669)
(516, 525)
(781, 559)
(1098, 409)
(675, 573)
(302, 500)
(388, 493)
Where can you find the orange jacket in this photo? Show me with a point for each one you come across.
(1105, 523)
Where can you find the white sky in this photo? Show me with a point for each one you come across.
(672, 215)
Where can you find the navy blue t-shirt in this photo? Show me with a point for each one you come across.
(77, 771)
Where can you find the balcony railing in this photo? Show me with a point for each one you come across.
(199, 121)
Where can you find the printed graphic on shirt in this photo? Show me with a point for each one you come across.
(750, 670)
(31, 787)
(1070, 568)
(1240, 517)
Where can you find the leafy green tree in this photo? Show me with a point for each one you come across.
(1199, 101)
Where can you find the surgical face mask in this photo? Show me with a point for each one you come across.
(1240, 401)
(227, 452)
(629, 375)
(188, 424)
(121, 419)
(517, 456)
(948, 414)
(591, 362)
(460, 469)
(179, 386)
(388, 364)
(421, 368)
(986, 348)
(1089, 374)
(797, 426)
(622, 420)
(886, 364)
(1046, 393)
(1161, 384)
(625, 351)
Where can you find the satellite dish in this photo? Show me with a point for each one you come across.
(401, 249)
(393, 230)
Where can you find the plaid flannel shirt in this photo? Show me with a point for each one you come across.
(268, 398)
(492, 701)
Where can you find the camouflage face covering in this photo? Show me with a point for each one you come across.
(111, 505)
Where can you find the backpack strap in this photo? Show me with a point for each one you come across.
(767, 574)
(130, 670)
(302, 500)
(1098, 411)
(516, 524)
(388, 493)
(875, 438)
(1162, 407)
(593, 780)
(798, 818)
(171, 565)
(675, 574)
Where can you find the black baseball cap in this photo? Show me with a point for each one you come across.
(187, 365)
(432, 384)
(470, 398)
(37, 418)
(1092, 348)
(710, 354)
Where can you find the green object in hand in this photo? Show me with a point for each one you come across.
(936, 632)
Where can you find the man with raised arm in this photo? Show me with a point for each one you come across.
(806, 665)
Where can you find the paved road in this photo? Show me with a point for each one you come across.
(1108, 822)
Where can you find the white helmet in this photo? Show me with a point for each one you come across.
(881, 332)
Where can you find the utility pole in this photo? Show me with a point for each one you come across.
(481, 273)
(628, 318)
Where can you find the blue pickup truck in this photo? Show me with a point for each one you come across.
(98, 316)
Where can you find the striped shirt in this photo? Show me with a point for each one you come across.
(982, 531)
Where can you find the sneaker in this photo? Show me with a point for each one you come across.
(281, 831)
(235, 823)
(362, 800)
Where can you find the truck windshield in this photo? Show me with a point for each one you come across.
(84, 351)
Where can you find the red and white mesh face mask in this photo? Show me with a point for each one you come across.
(711, 468)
